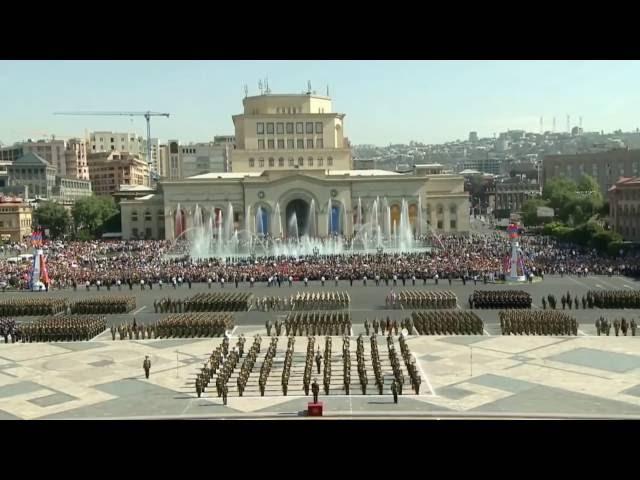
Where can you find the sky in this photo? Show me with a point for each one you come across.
(384, 101)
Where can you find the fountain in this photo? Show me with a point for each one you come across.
(216, 235)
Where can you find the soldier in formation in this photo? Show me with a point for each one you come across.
(422, 299)
(346, 362)
(207, 302)
(320, 301)
(18, 307)
(613, 298)
(308, 366)
(131, 331)
(410, 363)
(327, 365)
(500, 299)
(317, 323)
(103, 305)
(9, 328)
(248, 363)
(376, 363)
(273, 303)
(362, 372)
(267, 365)
(288, 360)
(537, 322)
(67, 328)
(450, 322)
(603, 326)
(190, 325)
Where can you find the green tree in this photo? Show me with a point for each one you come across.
(530, 210)
(53, 216)
(91, 212)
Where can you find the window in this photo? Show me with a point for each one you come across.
(309, 127)
(134, 232)
(281, 162)
(320, 161)
(452, 224)
(270, 144)
(309, 142)
(300, 143)
(272, 162)
(148, 233)
(310, 161)
(270, 128)
(260, 128)
(147, 216)
(300, 161)
(261, 144)
(134, 216)
(439, 224)
(299, 127)
(439, 210)
(280, 143)
(289, 126)
(291, 162)
(319, 143)
(318, 127)
(261, 162)
(111, 139)
(280, 128)
(453, 209)
(290, 143)
(122, 139)
(330, 161)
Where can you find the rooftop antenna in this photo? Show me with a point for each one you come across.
(554, 125)
(541, 125)
(327, 90)
(580, 123)
(267, 90)
(568, 123)
(260, 86)
(246, 91)
(308, 87)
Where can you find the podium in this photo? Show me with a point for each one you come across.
(315, 409)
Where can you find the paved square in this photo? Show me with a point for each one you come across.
(54, 399)
(101, 363)
(598, 359)
(502, 383)
(19, 388)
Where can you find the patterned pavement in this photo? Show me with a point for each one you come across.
(583, 376)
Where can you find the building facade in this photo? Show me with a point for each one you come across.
(181, 161)
(512, 195)
(68, 157)
(490, 165)
(15, 219)
(12, 153)
(68, 190)
(605, 167)
(279, 132)
(116, 141)
(624, 207)
(35, 172)
(109, 170)
(445, 204)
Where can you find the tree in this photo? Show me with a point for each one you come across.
(91, 212)
(53, 216)
(530, 210)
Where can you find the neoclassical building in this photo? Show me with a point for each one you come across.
(291, 154)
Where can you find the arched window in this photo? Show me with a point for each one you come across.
(252, 163)
(329, 161)
(272, 162)
(261, 162)
(291, 162)
(281, 162)
(320, 162)
(310, 161)
(300, 161)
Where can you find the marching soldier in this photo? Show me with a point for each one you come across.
(394, 391)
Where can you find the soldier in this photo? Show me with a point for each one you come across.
(394, 391)
(598, 326)
(318, 360)
(624, 326)
(225, 389)
(376, 326)
(268, 327)
(198, 386)
(633, 326)
(616, 326)
(315, 389)
(366, 326)
(563, 300)
(544, 303)
(146, 365)
(113, 332)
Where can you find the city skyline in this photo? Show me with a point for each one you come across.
(384, 101)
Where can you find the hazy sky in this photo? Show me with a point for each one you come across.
(385, 101)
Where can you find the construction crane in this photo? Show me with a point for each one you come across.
(147, 115)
